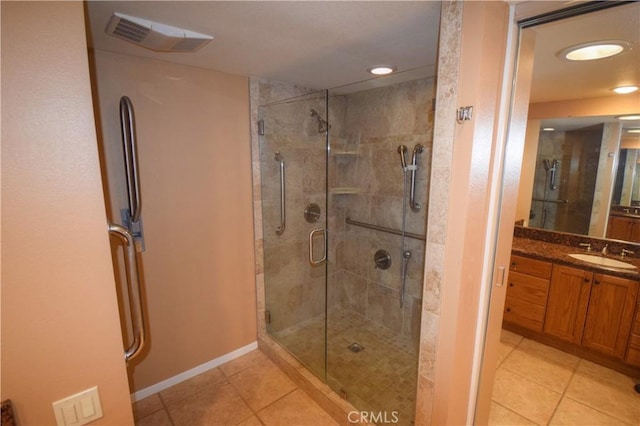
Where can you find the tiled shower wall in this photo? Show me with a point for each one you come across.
(366, 184)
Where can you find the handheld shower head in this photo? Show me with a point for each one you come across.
(402, 149)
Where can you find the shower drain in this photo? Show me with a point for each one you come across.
(355, 347)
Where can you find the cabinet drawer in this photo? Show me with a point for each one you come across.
(528, 266)
(523, 313)
(527, 288)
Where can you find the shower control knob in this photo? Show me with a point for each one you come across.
(382, 259)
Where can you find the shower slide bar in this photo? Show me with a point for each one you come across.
(133, 290)
(385, 229)
(127, 125)
(283, 214)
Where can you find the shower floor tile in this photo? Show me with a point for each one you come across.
(380, 378)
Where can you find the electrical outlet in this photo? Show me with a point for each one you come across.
(79, 409)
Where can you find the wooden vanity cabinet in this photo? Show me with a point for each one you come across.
(567, 304)
(591, 309)
(527, 290)
(633, 353)
(623, 228)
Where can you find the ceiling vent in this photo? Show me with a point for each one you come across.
(155, 36)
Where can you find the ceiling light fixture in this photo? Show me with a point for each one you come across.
(629, 117)
(633, 131)
(548, 129)
(382, 69)
(623, 90)
(594, 50)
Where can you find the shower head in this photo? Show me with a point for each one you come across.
(546, 164)
(418, 149)
(402, 149)
(323, 125)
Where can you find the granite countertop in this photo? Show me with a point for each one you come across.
(559, 253)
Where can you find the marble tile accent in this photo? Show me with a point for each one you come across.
(529, 399)
(262, 384)
(295, 408)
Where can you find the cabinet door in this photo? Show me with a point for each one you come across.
(634, 235)
(619, 228)
(610, 314)
(567, 303)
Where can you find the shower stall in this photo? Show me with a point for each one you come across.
(344, 177)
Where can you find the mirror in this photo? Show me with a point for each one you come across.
(581, 158)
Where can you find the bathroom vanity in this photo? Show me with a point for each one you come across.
(578, 306)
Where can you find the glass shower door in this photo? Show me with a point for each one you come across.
(293, 146)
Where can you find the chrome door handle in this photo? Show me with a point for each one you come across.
(324, 256)
(133, 287)
(283, 214)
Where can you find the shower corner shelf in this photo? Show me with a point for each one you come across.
(344, 190)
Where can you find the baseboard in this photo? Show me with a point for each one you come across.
(158, 387)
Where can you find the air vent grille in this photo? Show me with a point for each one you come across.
(130, 30)
(154, 35)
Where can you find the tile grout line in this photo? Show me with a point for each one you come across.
(166, 409)
(514, 412)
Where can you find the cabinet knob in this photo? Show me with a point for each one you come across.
(510, 284)
(596, 282)
(508, 309)
(586, 280)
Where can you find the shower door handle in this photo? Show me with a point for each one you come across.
(127, 126)
(133, 290)
(324, 255)
(283, 214)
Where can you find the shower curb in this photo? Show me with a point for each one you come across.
(320, 392)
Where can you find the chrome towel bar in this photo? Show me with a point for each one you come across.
(130, 146)
(283, 214)
(385, 229)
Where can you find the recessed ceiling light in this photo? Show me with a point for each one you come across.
(548, 129)
(594, 50)
(629, 117)
(623, 90)
(382, 69)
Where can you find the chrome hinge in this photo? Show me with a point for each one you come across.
(261, 127)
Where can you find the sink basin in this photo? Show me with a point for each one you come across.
(602, 261)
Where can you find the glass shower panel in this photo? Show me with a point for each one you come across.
(372, 337)
(293, 146)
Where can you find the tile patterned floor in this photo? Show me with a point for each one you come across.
(382, 377)
(539, 385)
(250, 390)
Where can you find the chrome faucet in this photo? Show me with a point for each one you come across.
(587, 246)
(605, 249)
(625, 252)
